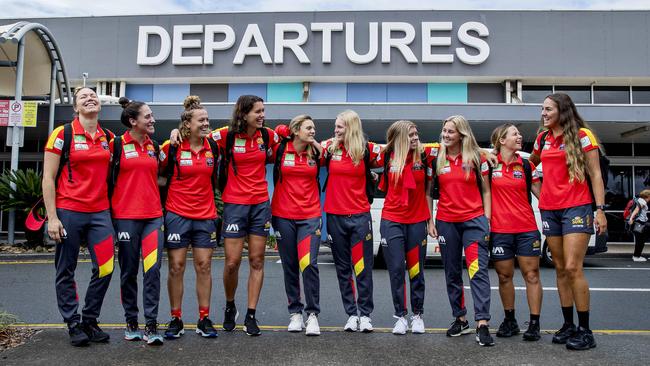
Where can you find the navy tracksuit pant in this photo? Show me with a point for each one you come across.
(473, 237)
(352, 252)
(96, 230)
(137, 238)
(298, 244)
(405, 247)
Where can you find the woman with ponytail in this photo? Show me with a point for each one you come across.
(137, 217)
(190, 214)
(569, 153)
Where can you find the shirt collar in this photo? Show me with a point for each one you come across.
(518, 160)
(78, 129)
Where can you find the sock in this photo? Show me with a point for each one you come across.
(250, 313)
(567, 312)
(230, 304)
(510, 314)
(583, 319)
(534, 318)
(176, 313)
(204, 312)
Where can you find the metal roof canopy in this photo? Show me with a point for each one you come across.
(29, 46)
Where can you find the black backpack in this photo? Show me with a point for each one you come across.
(604, 170)
(227, 157)
(277, 164)
(114, 170)
(528, 173)
(423, 158)
(173, 164)
(370, 185)
(65, 151)
(435, 189)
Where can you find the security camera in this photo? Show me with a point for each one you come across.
(84, 75)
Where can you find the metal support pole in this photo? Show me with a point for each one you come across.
(16, 131)
(50, 125)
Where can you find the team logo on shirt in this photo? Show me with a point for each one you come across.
(517, 174)
(311, 162)
(418, 166)
(561, 146)
(104, 145)
(209, 161)
(260, 141)
(208, 154)
(578, 222)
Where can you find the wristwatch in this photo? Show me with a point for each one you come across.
(600, 207)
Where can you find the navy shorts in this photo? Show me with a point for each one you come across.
(242, 220)
(579, 219)
(507, 246)
(181, 232)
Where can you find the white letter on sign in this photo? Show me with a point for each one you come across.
(372, 47)
(210, 45)
(327, 29)
(293, 44)
(251, 34)
(465, 38)
(402, 44)
(428, 42)
(180, 44)
(143, 45)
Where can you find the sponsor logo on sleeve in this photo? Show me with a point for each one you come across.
(58, 144)
(216, 135)
(484, 167)
(162, 156)
(585, 141)
(376, 149)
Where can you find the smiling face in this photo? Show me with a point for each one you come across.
(550, 114)
(450, 135)
(414, 138)
(339, 129)
(306, 132)
(512, 140)
(199, 124)
(255, 117)
(145, 121)
(86, 102)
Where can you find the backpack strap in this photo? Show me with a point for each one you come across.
(328, 158)
(115, 164)
(435, 188)
(277, 164)
(214, 148)
(370, 184)
(168, 172)
(65, 153)
(266, 139)
(387, 154)
(528, 173)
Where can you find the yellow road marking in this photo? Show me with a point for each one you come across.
(325, 328)
(51, 261)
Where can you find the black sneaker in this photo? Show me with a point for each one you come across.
(78, 337)
(566, 332)
(458, 328)
(581, 340)
(94, 332)
(508, 328)
(250, 326)
(205, 328)
(483, 336)
(151, 335)
(174, 329)
(230, 319)
(532, 333)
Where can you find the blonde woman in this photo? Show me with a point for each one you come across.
(569, 152)
(190, 214)
(639, 216)
(297, 220)
(513, 230)
(462, 223)
(349, 189)
(405, 219)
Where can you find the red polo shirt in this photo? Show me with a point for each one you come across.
(460, 199)
(296, 194)
(136, 194)
(346, 184)
(557, 193)
(89, 160)
(511, 211)
(406, 200)
(249, 185)
(191, 196)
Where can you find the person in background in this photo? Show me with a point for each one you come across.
(640, 217)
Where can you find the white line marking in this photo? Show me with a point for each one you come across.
(603, 289)
(279, 261)
(619, 268)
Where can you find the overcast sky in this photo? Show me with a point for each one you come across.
(63, 8)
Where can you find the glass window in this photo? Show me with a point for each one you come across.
(535, 93)
(641, 178)
(641, 94)
(612, 149)
(616, 228)
(641, 149)
(579, 94)
(619, 187)
(611, 95)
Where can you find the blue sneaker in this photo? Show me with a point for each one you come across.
(175, 329)
(132, 332)
(205, 328)
(151, 335)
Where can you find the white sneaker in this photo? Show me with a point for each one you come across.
(296, 324)
(639, 259)
(352, 325)
(312, 329)
(401, 325)
(365, 324)
(417, 324)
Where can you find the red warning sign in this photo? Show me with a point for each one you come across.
(4, 113)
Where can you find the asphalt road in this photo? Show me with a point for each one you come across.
(620, 297)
